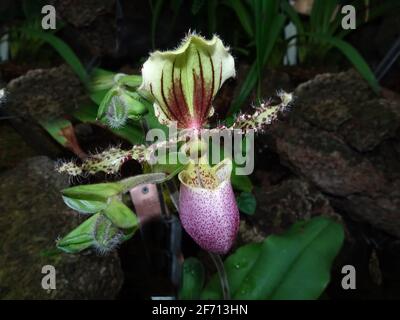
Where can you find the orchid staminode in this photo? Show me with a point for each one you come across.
(182, 84)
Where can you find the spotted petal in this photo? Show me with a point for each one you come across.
(183, 82)
(208, 211)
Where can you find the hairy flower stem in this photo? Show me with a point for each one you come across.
(134, 181)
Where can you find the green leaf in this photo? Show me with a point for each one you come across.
(64, 51)
(85, 206)
(248, 85)
(237, 266)
(264, 45)
(293, 15)
(241, 183)
(353, 56)
(192, 279)
(101, 80)
(55, 128)
(98, 191)
(120, 215)
(90, 198)
(275, 31)
(155, 11)
(247, 203)
(98, 96)
(295, 265)
(80, 238)
(242, 14)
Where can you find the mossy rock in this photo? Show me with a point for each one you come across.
(32, 216)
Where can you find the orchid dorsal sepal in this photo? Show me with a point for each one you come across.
(183, 82)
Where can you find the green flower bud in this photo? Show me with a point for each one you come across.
(117, 112)
(102, 81)
(120, 215)
(80, 238)
(135, 108)
(106, 236)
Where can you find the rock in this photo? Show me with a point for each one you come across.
(343, 139)
(371, 123)
(91, 25)
(15, 148)
(44, 94)
(381, 211)
(81, 13)
(281, 205)
(32, 216)
(327, 161)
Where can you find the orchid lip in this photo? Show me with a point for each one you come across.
(210, 215)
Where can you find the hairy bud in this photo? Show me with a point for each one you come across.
(106, 237)
(117, 113)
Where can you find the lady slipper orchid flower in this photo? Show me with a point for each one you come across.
(182, 84)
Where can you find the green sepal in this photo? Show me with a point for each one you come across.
(80, 238)
(133, 80)
(105, 102)
(90, 198)
(120, 215)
